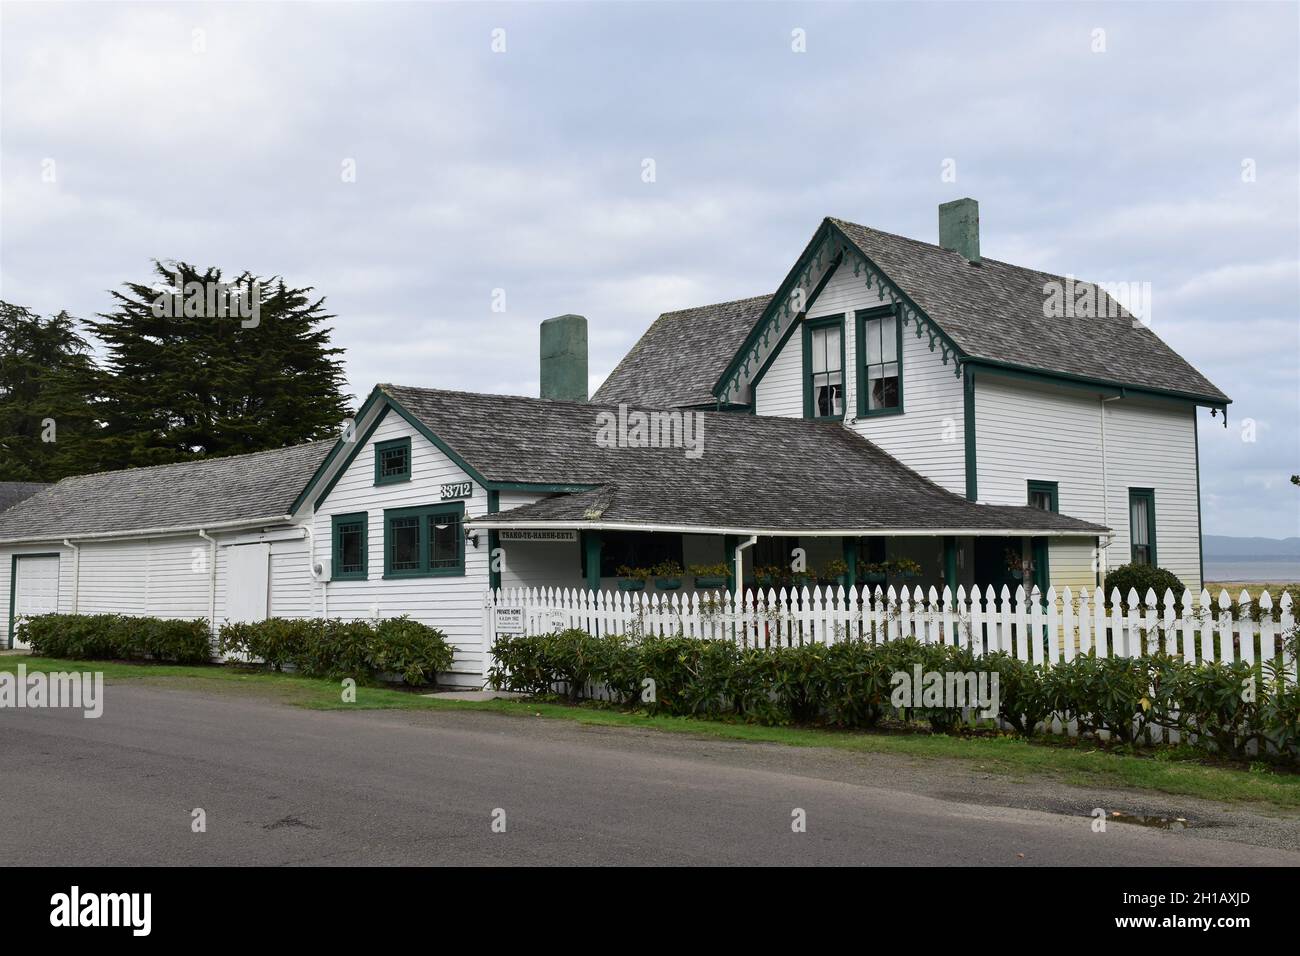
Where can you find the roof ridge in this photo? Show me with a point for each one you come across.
(196, 461)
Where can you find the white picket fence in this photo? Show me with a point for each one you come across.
(1066, 624)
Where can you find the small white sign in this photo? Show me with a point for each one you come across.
(510, 620)
(538, 535)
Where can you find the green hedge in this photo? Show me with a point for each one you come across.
(850, 684)
(343, 648)
(116, 637)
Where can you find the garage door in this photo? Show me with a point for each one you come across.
(36, 589)
(248, 582)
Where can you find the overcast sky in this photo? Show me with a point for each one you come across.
(522, 170)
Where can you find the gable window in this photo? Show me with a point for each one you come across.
(880, 362)
(1142, 525)
(823, 361)
(392, 461)
(349, 546)
(1043, 496)
(425, 541)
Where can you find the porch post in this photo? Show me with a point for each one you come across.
(591, 541)
(950, 564)
(729, 542)
(850, 546)
(494, 542)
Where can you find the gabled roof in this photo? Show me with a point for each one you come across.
(12, 492)
(675, 363)
(993, 311)
(191, 494)
(753, 473)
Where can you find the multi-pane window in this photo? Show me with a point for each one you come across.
(1042, 495)
(1142, 525)
(825, 368)
(424, 541)
(349, 546)
(392, 461)
(881, 371)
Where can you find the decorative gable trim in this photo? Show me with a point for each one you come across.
(831, 246)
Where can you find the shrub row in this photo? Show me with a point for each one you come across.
(116, 637)
(337, 649)
(851, 684)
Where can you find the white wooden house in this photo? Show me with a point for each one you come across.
(892, 399)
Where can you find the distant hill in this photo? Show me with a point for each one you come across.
(1226, 546)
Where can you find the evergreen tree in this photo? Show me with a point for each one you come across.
(47, 383)
(200, 367)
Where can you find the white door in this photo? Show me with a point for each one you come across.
(36, 590)
(248, 578)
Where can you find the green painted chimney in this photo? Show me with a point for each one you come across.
(564, 358)
(959, 228)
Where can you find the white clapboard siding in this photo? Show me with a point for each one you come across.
(453, 604)
(1027, 432)
(1045, 630)
(927, 436)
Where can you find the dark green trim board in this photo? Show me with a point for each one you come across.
(1200, 531)
(1042, 570)
(810, 326)
(1050, 488)
(1150, 495)
(968, 417)
(790, 329)
(337, 522)
(950, 563)
(850, 548)
(375, 395)
(13, 585)
(425, 514)
(355, 449)
(494, 539)
(437, 442)
(1066, 378)
(393, 444)
(591, 551)
(860, 319)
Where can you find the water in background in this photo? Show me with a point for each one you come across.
(1273, 570)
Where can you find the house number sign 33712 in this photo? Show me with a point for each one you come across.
(457, 489)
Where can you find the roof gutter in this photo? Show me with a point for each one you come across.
(487, 522)
(158, 532)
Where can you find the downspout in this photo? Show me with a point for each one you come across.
(212, 579)
(311, 569)
(740, 561)
(76, 571)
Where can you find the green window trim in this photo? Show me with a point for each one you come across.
(861, 318)
(386, 474)
(810, 326)
(1049, 488)
(1147, 495)
(340, 525)
(423, 519)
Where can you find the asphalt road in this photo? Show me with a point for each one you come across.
(281, 785)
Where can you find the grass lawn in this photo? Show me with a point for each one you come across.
(1171, 770)
(1253, 588)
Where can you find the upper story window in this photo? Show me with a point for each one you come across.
(1142, 525)
(1043, 495)
(392, 461)
(880, 362)
(823, 361)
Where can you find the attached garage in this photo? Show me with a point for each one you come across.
(35, 589)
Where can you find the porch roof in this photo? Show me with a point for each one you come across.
(753, 474)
